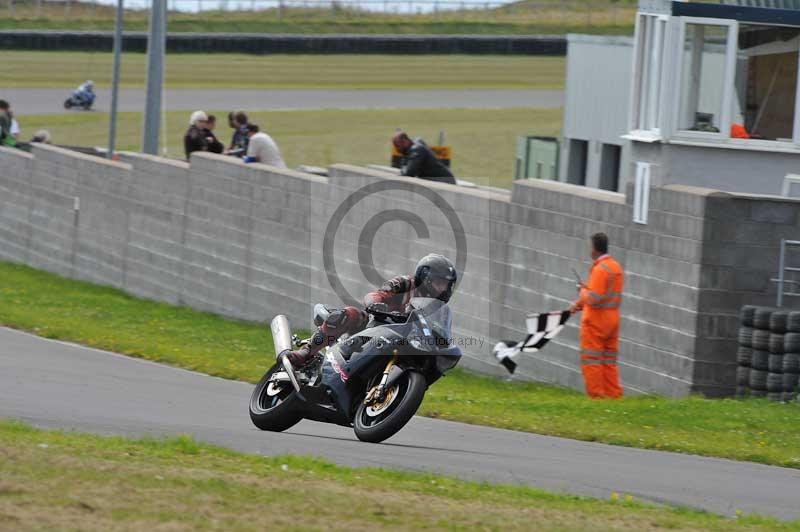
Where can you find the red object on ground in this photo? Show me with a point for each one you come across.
(739, 132)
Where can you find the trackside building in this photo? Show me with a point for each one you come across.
(704, 94)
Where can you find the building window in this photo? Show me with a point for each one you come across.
(641, 193)
(706, 74)
(651, 34)
(576, 164)
(610, 166)
(766, 83)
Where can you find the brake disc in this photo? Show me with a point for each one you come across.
(376, 408)
(273, 389)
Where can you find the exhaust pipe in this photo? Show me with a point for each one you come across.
(282, 339)
(281, 334)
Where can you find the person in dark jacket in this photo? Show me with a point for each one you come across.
(198, 137)
(238, 122)
(419, 160)
(214, 145)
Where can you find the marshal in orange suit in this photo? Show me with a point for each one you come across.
(600, 299)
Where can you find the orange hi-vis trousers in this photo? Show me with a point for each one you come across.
(600, 300)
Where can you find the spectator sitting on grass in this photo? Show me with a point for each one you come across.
(198, 137)
(262, 149)
(238, 122)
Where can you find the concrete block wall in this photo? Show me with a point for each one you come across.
(15, 198)
(247, 241)
(740, 257)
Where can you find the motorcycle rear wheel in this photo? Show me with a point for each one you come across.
(375, 426)
(272, 411)
(68, 104)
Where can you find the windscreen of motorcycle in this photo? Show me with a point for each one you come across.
(431, 324)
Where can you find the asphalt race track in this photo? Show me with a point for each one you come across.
(57, 385)
(51, 101)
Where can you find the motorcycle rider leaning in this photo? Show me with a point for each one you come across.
(434, 277)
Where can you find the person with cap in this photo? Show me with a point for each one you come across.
(420, 161)
(262, 149)
(198, 137)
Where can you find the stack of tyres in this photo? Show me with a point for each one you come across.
(791, 358)
(769, 354)
(777, 325)
(744, 356)
(760, 358)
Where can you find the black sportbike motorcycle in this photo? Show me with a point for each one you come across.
(373, 380)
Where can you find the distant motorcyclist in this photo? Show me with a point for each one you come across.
(85, 91)
(434, 277)
(420, 161)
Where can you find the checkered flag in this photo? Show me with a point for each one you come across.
(541, 329)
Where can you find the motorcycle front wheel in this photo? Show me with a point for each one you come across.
(274, 407)
(68, 104)
(376, 423)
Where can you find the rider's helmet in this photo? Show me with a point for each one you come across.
(436, 277)
(89, 84)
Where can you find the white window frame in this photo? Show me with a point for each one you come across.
(649, 74)
(731, 48)
(788, 181)
(641, 193)
(772, 144)
(796, 131)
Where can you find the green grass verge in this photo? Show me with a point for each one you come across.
(241, 71)
(56, 480)
(53, 307)
(483, 140)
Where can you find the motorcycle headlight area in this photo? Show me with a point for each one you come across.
(446, 362)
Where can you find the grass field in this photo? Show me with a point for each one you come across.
(483, 141)
(55, 480)
(529, 17)
(240, 71)
(753, 430)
